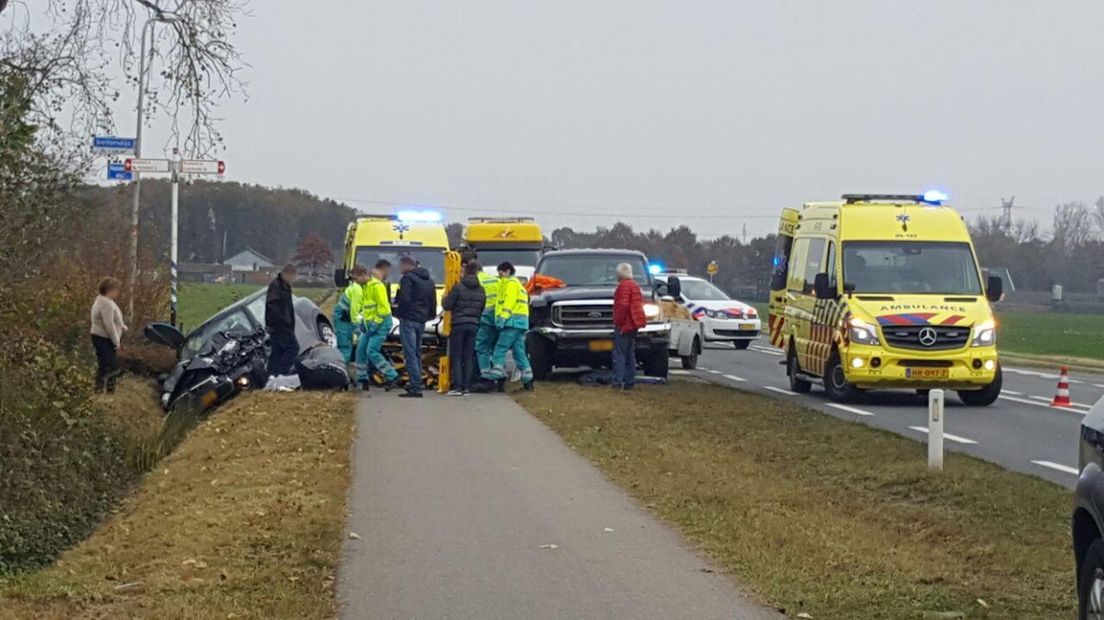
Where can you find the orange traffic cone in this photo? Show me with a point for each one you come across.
(1062, 397)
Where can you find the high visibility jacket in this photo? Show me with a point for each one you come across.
(512, 305)
(377, 303)
(491, 284)
(350, 306)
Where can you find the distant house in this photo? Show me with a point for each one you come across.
(249, 260)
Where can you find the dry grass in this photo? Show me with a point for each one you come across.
(244, 520)
(823, 516)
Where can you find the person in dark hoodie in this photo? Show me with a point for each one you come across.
(415, 303)
(280, 322)
(466, 301)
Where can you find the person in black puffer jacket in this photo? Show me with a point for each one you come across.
(466, 301)
(416, 303)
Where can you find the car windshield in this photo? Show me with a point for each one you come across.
(517, 258)
(433, 259)
(593, 269)
(700, 290)
(236, 323)
(910, 267)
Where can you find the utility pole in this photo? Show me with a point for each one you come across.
(1007, 206)
(132, 251)
(744, 234)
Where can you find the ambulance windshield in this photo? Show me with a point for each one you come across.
(910, 267)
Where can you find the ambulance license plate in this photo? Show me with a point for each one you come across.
(600, 346)
(927, 373)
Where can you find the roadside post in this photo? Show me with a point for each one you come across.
(173, 284)
(712, 269)
(935, 430)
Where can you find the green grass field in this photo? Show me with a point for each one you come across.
(198, 301)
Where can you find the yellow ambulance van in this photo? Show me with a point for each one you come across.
(883, 291)
(516, 240)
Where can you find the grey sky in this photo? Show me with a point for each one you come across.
(638, 108)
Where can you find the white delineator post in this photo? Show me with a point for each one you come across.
(935, 430)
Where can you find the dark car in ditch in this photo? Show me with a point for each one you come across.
(1088, 516)
(572, 326)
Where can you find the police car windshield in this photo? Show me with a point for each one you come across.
(433, 259)
(700, 290)
(592, 270)
(910, 267)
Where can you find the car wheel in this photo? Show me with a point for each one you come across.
(326, 333)
(985, 396)
(741, 344)
(793, 369)
(690, 362)
(655, 365)
(1090, 583)
(540, 353)
(836, 384)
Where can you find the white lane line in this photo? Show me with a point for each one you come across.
(954, 438)
(779, 390)
(714, 372)
(1036, 373)
(1099, 385)
(1049, 400)
(1046, 404)
(767, 351)
(680, 371)
(1062, 468)
(1011, 392)
(735, 378)
(854, 410)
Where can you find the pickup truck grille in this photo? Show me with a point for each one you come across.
(590, 316)
(915, 337)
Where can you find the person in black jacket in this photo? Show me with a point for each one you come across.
(280, 322)
(415, 303)
(466, 301)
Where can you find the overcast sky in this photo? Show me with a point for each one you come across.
(656, 112)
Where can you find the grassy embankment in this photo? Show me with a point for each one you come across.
(198, 301)
(244, 520)
(822, 516)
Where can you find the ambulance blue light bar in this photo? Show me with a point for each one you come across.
(419, 217)
(932, 197)
(935, 197)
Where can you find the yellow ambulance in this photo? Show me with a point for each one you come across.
(516, 240)
(883, 291)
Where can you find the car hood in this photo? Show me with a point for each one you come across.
(575, 293)
(731, 307)
(897, 310)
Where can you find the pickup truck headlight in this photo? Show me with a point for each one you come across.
(985, 334)
(653, 313)
(861, 332)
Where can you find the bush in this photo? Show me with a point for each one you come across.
(61, 468)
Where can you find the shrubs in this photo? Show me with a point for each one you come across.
(61, 468)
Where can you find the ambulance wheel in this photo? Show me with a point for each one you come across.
(540, 356)
(741, 344)
(985, 396)
(836, 384)
(793, 368)
(690, 362)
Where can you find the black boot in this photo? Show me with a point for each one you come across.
(390, 385)
(500, 386)
(483, 386)
(366, 385)
(528, 385)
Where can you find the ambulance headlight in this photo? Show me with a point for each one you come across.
(861, 332)
(652, 312)
(985, 334)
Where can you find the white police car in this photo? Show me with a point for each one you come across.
(723, 319)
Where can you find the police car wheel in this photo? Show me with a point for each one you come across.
(835, 381)
(797, 384)
(741, 344)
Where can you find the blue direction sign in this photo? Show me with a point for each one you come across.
(116, 171)
(112, 144)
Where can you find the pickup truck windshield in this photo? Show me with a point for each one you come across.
(593, 270)
(433, 259)
(910, 267)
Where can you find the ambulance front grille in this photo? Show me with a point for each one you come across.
(915, 337)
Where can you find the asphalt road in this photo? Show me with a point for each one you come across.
(1020, 431)
(471, 508)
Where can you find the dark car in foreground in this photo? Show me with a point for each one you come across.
(1088, 524)
(237, 326)
(572, 326)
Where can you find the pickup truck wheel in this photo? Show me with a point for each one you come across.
(655, 365)
(985, 396)
(793, 369)
(1090, 583)
(836, 384)
(540, 356)
(690, 362)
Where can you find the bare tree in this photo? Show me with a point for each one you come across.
(1073, 226)
(1099, 204)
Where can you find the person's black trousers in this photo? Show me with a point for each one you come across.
(461, 348)
(285, 348)
(107, 360)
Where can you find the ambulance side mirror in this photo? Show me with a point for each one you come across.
(822, 287)
(994, 289)
(340, 279)
(778, 281)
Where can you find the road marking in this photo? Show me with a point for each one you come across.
(766, 350)
(1036, 373)
(1046, 404)
(714, 372)
(779, 390)
(1075, 405)
(1099, 385)
(735, 378)
(680, 371)
(1011, 392)
(954, 438)
(1062, 468)
(854, 410)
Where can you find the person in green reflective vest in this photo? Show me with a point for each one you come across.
(347, 313)
(487, 335)
(376, 325)
(511, 317)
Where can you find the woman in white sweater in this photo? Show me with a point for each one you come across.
(107, 333)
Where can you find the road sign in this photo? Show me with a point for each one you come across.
(712, 268)
(116, 171)
(112, 144)
(147, 165)
(202, 166)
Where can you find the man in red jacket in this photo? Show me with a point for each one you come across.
(628, 317)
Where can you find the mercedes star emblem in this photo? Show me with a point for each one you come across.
(928, 336)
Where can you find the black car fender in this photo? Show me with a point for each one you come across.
(1088, 499)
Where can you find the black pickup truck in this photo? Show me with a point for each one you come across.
(572, 326)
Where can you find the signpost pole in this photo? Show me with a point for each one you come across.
(175, 228)
(132, 250)
(935, 430)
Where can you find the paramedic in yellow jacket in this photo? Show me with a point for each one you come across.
(512, 322)
(375, 322)
(349, 306)
(487, 335)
